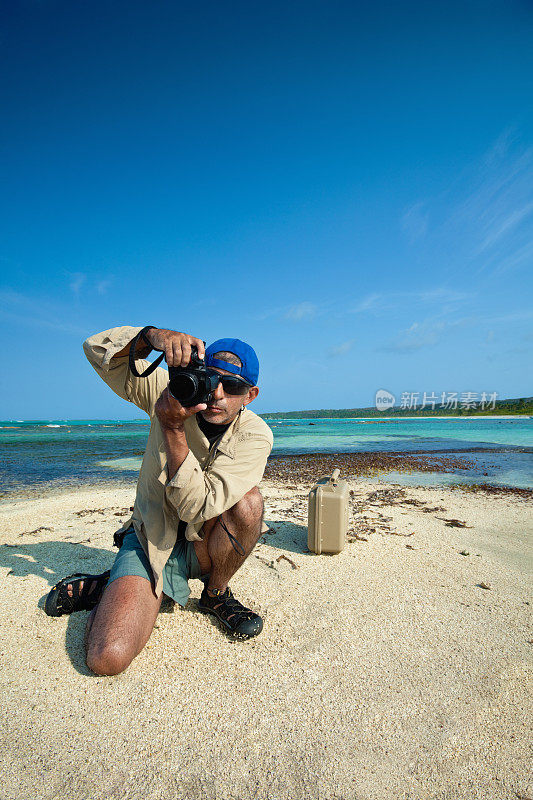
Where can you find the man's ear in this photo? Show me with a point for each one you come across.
(251, 395)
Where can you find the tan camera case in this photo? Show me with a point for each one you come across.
(328, 515)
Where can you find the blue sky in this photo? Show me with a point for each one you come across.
(347, 186)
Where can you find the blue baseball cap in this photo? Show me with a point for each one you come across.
(250, 363)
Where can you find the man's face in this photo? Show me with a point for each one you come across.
(223, 408)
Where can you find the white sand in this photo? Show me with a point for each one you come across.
(383, 673)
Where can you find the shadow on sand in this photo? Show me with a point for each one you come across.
(54, 560)
(286, 536)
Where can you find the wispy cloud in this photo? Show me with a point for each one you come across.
(103, 285)
(341, 349)
(510, 318)
(77, 279)
(437, 299)
(386, 302)
(505, 225)
(301, 311)
(35, 312)
(295, 312)
(415, 337)
(484, 219)
(521, 257)
(432, 330)
(369, 303)
(414, 222)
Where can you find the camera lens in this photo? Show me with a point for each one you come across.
(183, 386)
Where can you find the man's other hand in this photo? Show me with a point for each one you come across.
(175, 345)
(171, 414)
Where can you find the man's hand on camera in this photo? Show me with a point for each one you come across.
(171, 414)
(175, 345)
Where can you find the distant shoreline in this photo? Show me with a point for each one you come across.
(464, 409)
(397, 419)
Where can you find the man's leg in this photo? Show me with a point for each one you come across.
(217, 556)
(216, 553)
(121, 624)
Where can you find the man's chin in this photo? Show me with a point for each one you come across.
(214, 415)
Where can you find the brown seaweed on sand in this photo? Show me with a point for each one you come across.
(286, 558)
(116, 510)
(37, 530)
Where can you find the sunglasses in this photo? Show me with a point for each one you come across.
(231, 384)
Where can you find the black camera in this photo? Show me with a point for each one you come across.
(192, 384)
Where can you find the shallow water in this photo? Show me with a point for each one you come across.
(54, 453)
(347, 435)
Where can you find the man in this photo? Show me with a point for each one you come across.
(198, 511)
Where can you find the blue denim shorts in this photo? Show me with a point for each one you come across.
(181, 565)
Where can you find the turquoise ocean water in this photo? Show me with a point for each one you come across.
(58, 453)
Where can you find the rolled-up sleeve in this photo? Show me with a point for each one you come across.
(101, 350)
(198, 496)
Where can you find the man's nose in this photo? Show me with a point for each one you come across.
(218, 394)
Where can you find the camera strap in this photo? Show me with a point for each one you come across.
(237, 546)
(133, 347)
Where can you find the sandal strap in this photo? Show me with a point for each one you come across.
(83, 599)
(229, 606)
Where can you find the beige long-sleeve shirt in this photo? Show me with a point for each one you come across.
(209, 481)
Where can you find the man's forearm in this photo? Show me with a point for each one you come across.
(176, 448)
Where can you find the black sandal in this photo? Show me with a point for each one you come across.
(60, 602)
(239, 621)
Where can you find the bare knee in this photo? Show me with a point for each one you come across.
(111, 659)
(249, 510)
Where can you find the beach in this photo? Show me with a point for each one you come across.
(399, 669)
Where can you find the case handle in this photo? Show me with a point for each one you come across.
(335, 476)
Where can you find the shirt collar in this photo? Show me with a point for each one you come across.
(227, 443)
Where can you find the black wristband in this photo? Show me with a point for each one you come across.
(133, 347)
(144, 336)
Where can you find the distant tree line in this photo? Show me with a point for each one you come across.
(521, 405)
